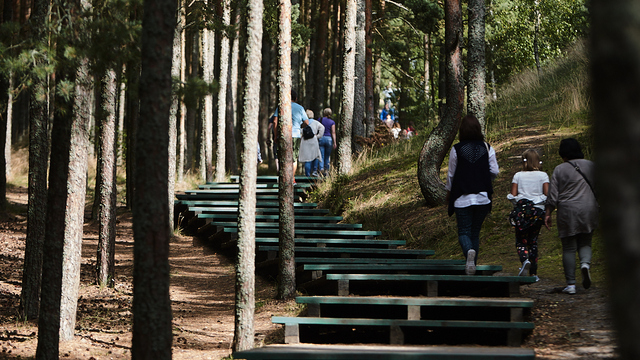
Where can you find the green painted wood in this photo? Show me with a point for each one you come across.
(397, 267)
(237, 185)
(276, 217)
(298, 225)
(401, 322)
(264, 240)
(274, 178)
(227, 203)
(272, 210)
(311, 232)
(232, 191)
(268, 197)
(416, 301)
(373, 352)
(323, 260)
(351, 250)
(415, 277)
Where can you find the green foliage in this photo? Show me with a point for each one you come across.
(300, 34)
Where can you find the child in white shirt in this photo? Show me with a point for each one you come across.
(529, 189)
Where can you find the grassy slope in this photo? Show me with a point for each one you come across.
(532, 112)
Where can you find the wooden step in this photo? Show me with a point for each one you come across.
(371, 352)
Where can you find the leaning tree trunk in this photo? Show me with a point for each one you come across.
(286, 274)
(38, 153)
(152, 331)
(476, 62)
(106, 189)
(615, 69)
(348, 84)
(243, 338)
(435, 148)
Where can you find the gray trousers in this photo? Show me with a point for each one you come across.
(580, 243)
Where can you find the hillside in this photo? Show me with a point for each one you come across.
(534, 111)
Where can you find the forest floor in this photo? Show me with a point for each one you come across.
(202, 294)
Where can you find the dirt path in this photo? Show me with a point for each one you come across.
(202, 285)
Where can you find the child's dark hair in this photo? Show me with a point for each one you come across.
(470, 129)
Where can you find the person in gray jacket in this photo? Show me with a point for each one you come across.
(571, 192)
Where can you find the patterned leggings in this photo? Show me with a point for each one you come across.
(527, 245)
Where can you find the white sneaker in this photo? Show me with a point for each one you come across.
(586, 276)
(537, 278)
(524, 270)
(570, 289)
(470, 266)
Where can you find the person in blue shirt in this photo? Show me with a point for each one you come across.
(299, 119)
(388, 115)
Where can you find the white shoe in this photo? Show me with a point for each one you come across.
(570, 289)
(537, 278)
(524, 270)
(470, 266)
(586, 276)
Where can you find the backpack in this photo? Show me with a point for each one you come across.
(307, 133)
(525, 214)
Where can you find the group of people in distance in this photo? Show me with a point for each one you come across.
(389, 118)
(314, 151)
(472, 168)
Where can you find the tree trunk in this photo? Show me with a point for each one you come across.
(321, 52)
(206, 145)
(152, 336)
(176, 61)
(37, 203)
(106, 189)
(427, 70)
(348, 84)
(222, 93)
(286, 275)
(536, 34)
(244, 333)
(476, 62)
(74, 214)
(368, 65)
(182, 136)
(615, 70)
(7, 129)
(359, 98)
(435, 148)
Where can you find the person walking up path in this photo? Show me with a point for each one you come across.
(571, 192)
(472, 168)
(529, 189)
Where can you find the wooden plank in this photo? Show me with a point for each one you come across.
(235, 185)
(398, 267)
(298, 225)
(372, 242)
(418, 301)
(272, 210)
(351, 250)
(224, 197)
(276, 217)
(401, 322)
(381, 352)
(380, 260)
(416, 277)
(228, 203)
(274, 179)
(316, 232)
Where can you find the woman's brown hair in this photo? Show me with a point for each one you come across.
(470, 129)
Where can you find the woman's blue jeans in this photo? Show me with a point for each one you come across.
(326, 145)
(310, 167)
(469, 224)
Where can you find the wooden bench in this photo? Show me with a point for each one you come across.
(298, 225)
(229, 203)
(397, 328)
(274, 218)
(235, 185)
(417, 284)
(386, 352)
(373, 260)
(323, 242)
(232, 196)
(400, 268)
(263, 179)
(348, 252)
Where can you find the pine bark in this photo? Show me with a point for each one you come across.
(106, 189)
(348, 84)
(368, 64)
(439, 141)
(152, 336)
(286, 275)
(244, 333)
(206, 141)
(615, 71)
(37, 192)
(222, 93)
(476, 62)
(176, 61)
(359, 98)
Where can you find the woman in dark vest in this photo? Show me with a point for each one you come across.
(472, 168)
